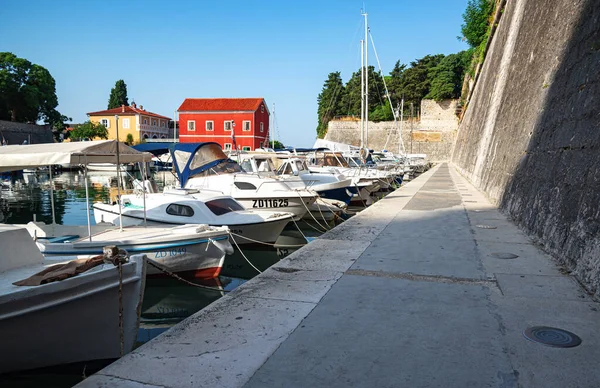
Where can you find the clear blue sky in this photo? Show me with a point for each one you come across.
(169, 50)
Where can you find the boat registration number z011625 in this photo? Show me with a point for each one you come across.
(270, 202)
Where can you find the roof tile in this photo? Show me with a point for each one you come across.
(220, 104)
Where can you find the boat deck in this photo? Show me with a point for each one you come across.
(150, 233)
(430, 287)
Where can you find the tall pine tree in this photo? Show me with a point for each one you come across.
(118, 95)
(330, 102)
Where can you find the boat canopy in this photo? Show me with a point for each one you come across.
(18, 157)
(154, 148)
(193, 158)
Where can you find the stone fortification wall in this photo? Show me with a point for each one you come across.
(17, 133)
(530, 137)
(433, 135)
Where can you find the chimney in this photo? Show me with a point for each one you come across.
(122, 108)
(142, 107)
(133, 105)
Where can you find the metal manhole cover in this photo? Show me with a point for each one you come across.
(286, 270)
(551, 336)
(486, 226)
(504, 255)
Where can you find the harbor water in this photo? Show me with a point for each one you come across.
(167, 301)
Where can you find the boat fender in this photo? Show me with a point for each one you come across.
(223, 245)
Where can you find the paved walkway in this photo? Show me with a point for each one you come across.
(416, 291)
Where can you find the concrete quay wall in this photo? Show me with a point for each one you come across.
(530, 137)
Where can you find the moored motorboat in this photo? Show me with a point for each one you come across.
(181, 206)
(198, 250)
(205, 167)
(72, 320)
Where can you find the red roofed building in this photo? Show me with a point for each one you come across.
(215, 119)
(134, 120)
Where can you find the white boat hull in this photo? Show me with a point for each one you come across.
(73, 320)
(199, 254)
(264, 231)
(107, 167)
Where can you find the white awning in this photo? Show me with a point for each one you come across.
(18, 157)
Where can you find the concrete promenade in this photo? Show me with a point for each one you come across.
(415, 291)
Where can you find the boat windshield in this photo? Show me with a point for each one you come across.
(226, 167)
(223, 205)
(207, 154)
(355, 162)
(333, 160)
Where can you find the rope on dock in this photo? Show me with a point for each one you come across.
(244, 256)
(266, 243)
(309, 212)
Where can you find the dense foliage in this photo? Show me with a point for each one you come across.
(89, 131)
(476, 21)
(277, 145)
(436, 77)
(27, 92)
(118, 95)
(330, 101)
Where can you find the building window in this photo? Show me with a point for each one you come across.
(210, 125)
(191, 125)
(227, 125)
(154, 122)
(162, 124)
(262, 127)
(245, 148)
(227, 147)
(245, 125)
(126, 123)
(262, 109)
(145, 121)
(105, 122)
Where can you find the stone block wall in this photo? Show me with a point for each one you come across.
(530, 137)
(17, 133)
(433, 135)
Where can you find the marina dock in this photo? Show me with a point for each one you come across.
(429, 287)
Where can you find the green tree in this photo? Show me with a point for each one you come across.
(447, 77)
(382, 113)
(394, 82)
(118, 95)
(276, 144)
(476, 21)
(415, 82)
(330, 101)
(89, 130)
(27, 92)
(129, 140)
(352, 100)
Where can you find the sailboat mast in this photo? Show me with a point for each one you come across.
(362, 94)
(366, 81)
(272, 127)
(401, 127)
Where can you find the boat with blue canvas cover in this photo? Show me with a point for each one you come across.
(205, 167)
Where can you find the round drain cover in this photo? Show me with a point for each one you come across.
(552, 336)
(486, 226)
(504, 255)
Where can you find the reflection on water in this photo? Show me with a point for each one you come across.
(167, 301)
